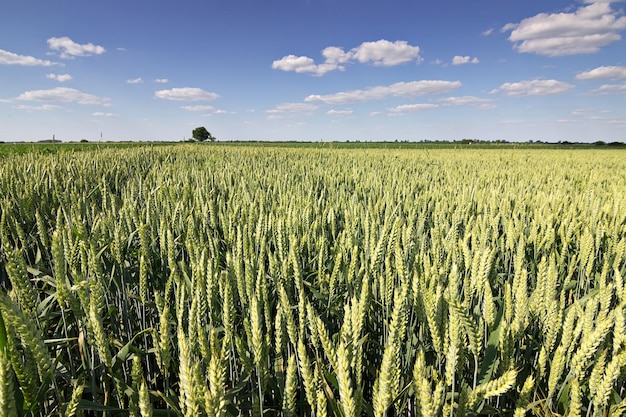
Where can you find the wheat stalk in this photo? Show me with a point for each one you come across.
(7, 387)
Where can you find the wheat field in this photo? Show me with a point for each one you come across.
(223, 281)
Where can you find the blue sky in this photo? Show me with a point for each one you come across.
(313, 70)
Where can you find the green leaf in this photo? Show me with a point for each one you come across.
(169, 401)
(563, 400)
(490, 358)
(3, 334)
(127, 349)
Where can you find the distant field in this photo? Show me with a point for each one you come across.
(312, 279)
(18, 148)
(413, 145)
(47, 148)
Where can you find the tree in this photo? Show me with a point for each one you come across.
(201, 134)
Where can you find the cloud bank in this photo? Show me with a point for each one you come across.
(603, 73)
(405, 108)
(334, 112)
(583, 31)
(401, 89)
(10, 58)
(186, 94)
(70, 49)
(379, 53)
(481, 103)
(609, 89)
(533, 88)
(63, 94)
(198, 107)
(59, 77)
(460, 60)
(44, 107)
(293, 108)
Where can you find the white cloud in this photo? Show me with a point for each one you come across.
(595, 115)
(385, 53)
(335, 55)
(482, 103)
(293, 108)
(404, 108)
(401, 89)
(71, 49)
(63, 94)
(59, 77)
(103, 114)
(304, 64)
(609, 89)
(290, 109)
(584, 31)
(42, 107)
(161, 80)
(198, 107)
(460, 60)
(134, 81)
(603, 73)
(9, 58)
(533, 88)
(294, 63)
(334, 112)
(488, 32)
(378, 53)
(186, 94)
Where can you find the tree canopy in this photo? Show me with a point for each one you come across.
(200, 134)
